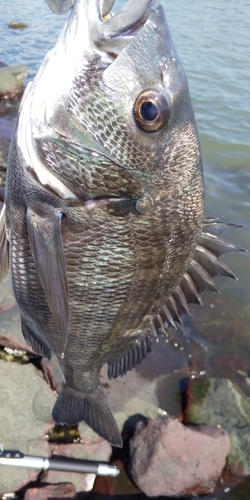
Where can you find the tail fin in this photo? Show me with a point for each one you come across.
(70, 408)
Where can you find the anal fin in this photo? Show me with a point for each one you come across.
(34, 340)
(130, 359)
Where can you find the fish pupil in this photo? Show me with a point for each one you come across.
(148, 111)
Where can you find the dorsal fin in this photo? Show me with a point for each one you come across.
(205, 265)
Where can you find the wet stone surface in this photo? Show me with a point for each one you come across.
(220, 402)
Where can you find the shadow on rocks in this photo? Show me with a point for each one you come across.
(128, 431)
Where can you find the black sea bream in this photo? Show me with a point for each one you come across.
(107, 241)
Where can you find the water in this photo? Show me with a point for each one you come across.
(212, 39)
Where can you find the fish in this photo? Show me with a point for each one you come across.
(103, 231)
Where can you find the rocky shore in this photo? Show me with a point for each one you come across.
(184, 434)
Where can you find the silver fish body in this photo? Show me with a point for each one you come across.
(104, 202)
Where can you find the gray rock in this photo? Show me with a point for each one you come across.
(221, 402)
(22, 419)
(12, 80)
(168, 458)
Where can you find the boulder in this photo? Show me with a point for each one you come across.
(221, 402)
(169, 458)
(12, 80)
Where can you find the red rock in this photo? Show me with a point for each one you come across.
(63, 490)
(168, 458)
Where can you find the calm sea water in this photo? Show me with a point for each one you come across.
(212, 39)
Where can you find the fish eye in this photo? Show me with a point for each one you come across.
(151, 110)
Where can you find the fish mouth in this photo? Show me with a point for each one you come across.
(114, 32)
(109, 32)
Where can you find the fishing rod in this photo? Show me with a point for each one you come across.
(17, 459)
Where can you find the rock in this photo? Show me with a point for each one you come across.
(221, 402)
(26, 402)
(12, 81)
(16, 25)
(168, 458)
(64, 490)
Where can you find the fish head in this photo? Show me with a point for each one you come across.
(114, 87)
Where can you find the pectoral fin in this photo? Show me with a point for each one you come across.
(4, 251)
(47, 250)
(33, 339)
